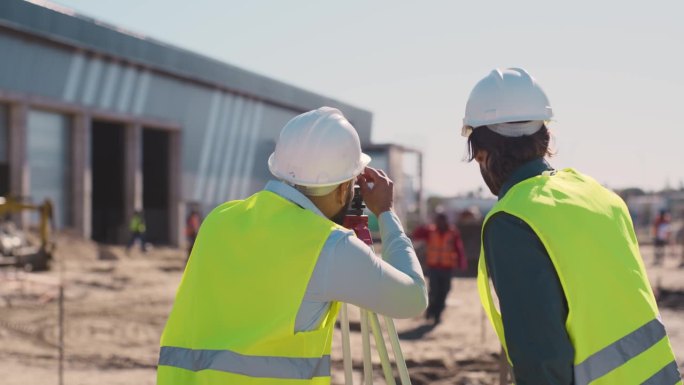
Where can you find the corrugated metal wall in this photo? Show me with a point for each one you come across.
(226, 138)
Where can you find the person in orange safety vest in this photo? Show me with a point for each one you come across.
(444, 253)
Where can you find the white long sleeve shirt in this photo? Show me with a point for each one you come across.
(348, 270)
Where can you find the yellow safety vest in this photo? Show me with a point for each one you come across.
(137, 225)
(234, 315)
(613, 321)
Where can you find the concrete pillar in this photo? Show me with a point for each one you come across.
(82, 178)
(19, 176)
(133, 186)
(18, 150)
(176, 206)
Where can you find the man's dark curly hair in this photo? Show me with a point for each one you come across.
(505, 154)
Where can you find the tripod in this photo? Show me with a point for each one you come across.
(358, 222)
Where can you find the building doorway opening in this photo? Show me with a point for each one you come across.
(156, 184)
(108, 164)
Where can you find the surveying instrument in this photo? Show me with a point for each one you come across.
(358, 222)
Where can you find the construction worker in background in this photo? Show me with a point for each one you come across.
(469, 224)
(259, 297)
(661, 236)
(192, 225)
(576, 306)
(137, 228)
(444, 253)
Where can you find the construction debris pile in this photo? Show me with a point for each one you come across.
(16, 245)
(23, 249)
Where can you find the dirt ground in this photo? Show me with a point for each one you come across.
(116, 305)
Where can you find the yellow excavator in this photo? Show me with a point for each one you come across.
(15, 249)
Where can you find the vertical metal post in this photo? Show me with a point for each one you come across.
(422, 203)
(60, 319)
(60, 334)
(483, 331)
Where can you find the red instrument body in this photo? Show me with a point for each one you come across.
(359, 223)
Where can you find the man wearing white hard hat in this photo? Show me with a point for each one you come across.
(261, 291)
(575, 304)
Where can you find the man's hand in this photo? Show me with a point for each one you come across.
(378, 198)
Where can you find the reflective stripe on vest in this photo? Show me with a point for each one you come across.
(252, 366)
(669, 374)
(619, 352)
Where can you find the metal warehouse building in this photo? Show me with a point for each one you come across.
(104, 122)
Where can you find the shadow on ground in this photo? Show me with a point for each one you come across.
(416, 333)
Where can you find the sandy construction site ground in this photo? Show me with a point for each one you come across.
(116, 306)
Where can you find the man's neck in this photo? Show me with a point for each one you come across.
(525, 171)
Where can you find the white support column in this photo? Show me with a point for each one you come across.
(133, 190)
(82, 178)
(176, 207)
(18, 155)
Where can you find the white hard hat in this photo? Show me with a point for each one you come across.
(318, 148)
(504, 98)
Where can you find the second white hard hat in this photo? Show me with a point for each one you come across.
(318, 148)
(505, 97)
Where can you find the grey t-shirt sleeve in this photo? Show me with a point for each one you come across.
(349, 271)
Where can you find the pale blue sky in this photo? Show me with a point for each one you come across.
(613, 70)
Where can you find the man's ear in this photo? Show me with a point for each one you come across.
(481, 157)
(342, 191)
